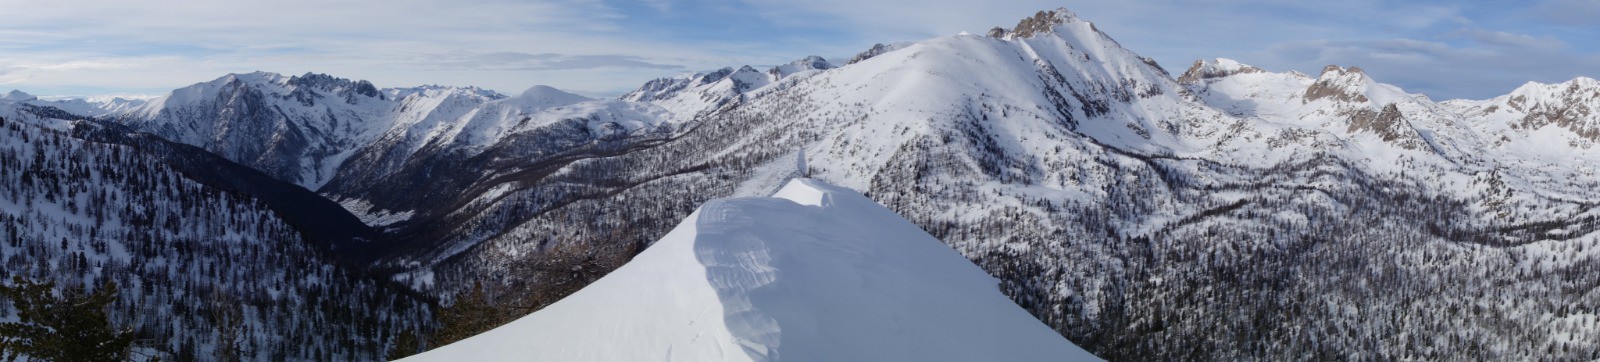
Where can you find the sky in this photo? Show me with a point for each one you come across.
(1445, 49)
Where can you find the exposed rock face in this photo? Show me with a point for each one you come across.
(813, 62)
(1202, 70)
(804, 64)
(997, 32)
(1043, 22)
(876, 50)
(1570, 105)
(295, 128)
(1522, 118)
(1389, 124)
(1336, 83)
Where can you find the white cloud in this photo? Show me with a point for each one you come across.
(391, 42)
(1435, 68)
(902, 20)
(659, 5)
(1581, 13)
(541, 61)
(1500, 38)
(1435, 48)
(594, 45)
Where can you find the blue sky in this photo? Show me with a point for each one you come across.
(601, 47)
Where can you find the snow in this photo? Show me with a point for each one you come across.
(689, 95)
(425, 109)
(541, 106)
(810, 63)
(375, 218)
(814, 273)
(18, 96)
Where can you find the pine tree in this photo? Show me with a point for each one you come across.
(405, 344)
(71, 327)
(472, 313)
(228, 320)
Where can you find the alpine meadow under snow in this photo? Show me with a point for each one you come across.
(1226, 212)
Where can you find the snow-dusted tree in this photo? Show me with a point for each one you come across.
(71, 326)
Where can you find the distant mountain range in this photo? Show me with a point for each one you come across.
(1227, 212)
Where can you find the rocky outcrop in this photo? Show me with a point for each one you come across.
(1043, 22)
(1338, 84)
(1388, 124)
(876, 50)
(1202, 70)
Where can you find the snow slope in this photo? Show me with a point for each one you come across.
(814, 273)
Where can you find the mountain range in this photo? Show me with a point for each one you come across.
(1227, 212)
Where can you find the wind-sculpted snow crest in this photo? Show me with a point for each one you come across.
(815, 273)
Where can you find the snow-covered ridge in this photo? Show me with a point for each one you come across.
(1045, 22)
(493, 121)
(435, 91)
(804, 64)
(1217, 68)
(1574, 105)
(814, 273)
(304, 128)
(18, 96)
(690, 95)
(82, 106)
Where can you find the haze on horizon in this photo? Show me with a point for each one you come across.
(606, 47)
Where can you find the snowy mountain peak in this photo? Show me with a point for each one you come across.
(1338, 70)
(814, 273)
(1573, 105)
(804, 64)
(295, 128)
(551, 95)
(875, 50)
(306, 89)
(1045, 22)
(1340, 84)
(437, 91)
(1579, 88)
(687, 95)
(18, 96)
(256, 77)
(1583, 83)
(330, 83)
(1217, 68)
(997, 32)
(814, 61)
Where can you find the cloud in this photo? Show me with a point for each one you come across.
(43, 73)
(1439, 69)
(1441, 49)
(659, 5)
(106, 43)
(902, 20)
(545, 61)
(1569, 12)
(1500, 38)
(607, 46)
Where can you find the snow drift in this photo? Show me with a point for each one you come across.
(814, 273)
